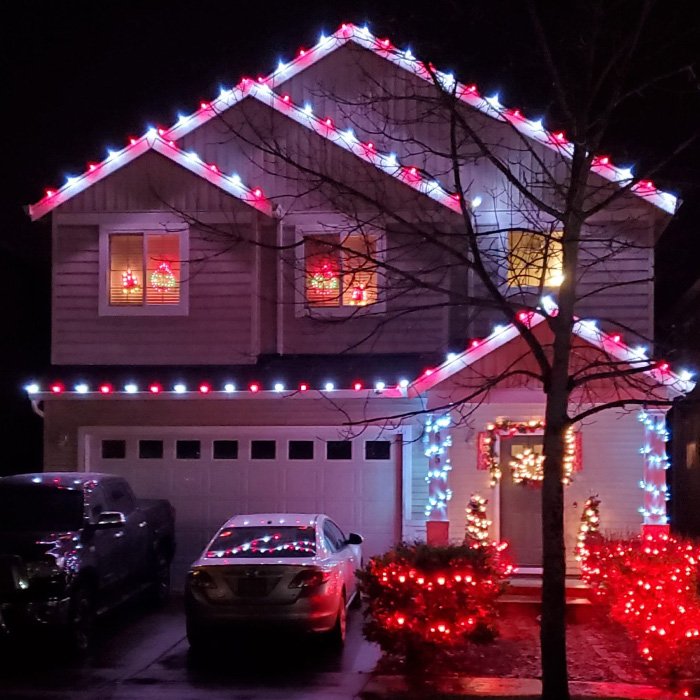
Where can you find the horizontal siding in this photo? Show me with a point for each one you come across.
(217, 329)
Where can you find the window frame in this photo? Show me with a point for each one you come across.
(512, 278)
(179, 229)
(302, 307)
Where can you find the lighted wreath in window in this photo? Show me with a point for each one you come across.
(527, 466)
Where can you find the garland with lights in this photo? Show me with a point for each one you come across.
(589, 527)
(527, 467)
(423, 598)
(130, 283)
(477, 528)
(324, 279)
(651, 584)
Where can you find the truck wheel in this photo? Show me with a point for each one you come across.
(160, 579)
(80, 627)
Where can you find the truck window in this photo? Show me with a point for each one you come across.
(25, 508)
(120, 498)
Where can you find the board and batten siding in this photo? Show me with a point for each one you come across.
(612, 468)
(218, 326)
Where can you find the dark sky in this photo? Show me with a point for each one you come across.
(83, 76)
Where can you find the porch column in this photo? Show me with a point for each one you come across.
(437, 445)
(655, 466)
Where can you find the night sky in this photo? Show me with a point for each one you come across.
(84, 76)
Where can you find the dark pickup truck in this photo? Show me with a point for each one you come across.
(74, 544)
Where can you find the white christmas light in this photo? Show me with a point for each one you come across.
(32, 388)
(71, 180)
(229, 388)
(131, 388)
(281, 66)
(408, 54)
(686, 376)
(493, 101)
(476, 202)
(112, 154)
(498, 329)
(308, 110)
(192, 156)
(81, 388)
(380, 386)
(451, 356)
(279, 387)
(329, 386)
(180, 388)
(403, 383)
(236, 179)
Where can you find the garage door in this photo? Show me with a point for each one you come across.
(211, 474)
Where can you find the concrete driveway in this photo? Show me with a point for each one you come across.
(141, 654)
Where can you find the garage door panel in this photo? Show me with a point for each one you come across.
(360, 495)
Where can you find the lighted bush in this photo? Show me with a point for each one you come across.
(651, 586)
(421, 597)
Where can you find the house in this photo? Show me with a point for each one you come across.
(222, 334)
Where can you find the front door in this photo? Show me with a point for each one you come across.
(521, 506)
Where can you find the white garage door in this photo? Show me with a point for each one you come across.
(210, 474)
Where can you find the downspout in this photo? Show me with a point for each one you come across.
(280, 285)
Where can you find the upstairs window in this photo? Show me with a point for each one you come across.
(144, 269)
(340, 271)
(534, 259)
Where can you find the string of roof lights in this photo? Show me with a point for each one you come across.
(405, 59)
(611, 343)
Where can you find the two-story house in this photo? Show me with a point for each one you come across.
(248, 315)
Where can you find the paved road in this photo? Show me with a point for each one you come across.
(142, 654)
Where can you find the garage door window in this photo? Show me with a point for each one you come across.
(301, 449)
(113, 449)
(150, 449)
(188, 449)
(339, 449)
(377, 449)
(263, 449)
(225, 449)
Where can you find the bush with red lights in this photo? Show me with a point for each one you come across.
(422, 598)
(651, 586)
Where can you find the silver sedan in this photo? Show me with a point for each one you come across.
(282, 569)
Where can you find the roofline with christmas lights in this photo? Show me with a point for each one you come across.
(610, 343)
(383, 48)
(153, 141)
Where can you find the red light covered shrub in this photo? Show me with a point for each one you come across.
(422, 597)
(651, 586)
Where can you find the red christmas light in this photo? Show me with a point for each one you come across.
(204, 388)
(254, 388)
(57, 388)
(106, 388)
(357, 386)
(155, 388)
(303, 387)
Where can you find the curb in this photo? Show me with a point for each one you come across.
(380, 687)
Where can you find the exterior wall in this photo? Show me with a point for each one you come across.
(612, 468)
(221, 325)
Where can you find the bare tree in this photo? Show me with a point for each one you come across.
(488, 217)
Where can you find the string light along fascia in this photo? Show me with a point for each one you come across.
(345, 138)
(153, 140)
(382, 47)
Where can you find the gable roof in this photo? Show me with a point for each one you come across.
(405, 60)
(152, 141)
(611, 344)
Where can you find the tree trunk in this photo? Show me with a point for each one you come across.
(555, 684)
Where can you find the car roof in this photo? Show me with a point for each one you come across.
(251, 519)
(61, 479)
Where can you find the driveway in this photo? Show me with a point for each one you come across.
(145, 655)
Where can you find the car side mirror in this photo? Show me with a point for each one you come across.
(354, 538)
(109, 520)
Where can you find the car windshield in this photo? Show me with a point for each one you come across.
(25, 508)
(264, 541)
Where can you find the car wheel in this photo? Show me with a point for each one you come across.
(197, 636)
(80, 628)
(160, 579)
(337, 634)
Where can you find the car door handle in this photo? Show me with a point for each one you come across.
(143, 523)
(119, 534)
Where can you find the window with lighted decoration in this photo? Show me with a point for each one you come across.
(144, 269)
(534, 259)
(340, 271)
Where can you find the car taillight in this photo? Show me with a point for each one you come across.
(198, 578)
(312, 578)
